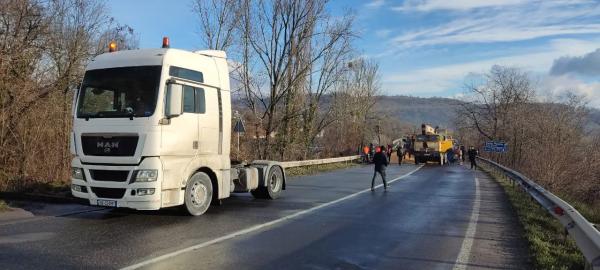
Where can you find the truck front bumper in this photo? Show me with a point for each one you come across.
(427, 154)
(119, 191)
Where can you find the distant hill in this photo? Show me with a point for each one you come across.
(593, 120)
(442, 111)
(417, 110)
(435, 110)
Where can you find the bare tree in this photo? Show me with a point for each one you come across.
(292, 54)
(325, 75)
(44, 47)
(24, 28)
(353, 103)
(219, 21)
(547, 140)
(503, 91)
(282, 37)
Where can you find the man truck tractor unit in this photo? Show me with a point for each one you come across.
(431, 145)
(152, 128)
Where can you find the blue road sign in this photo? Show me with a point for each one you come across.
(498, 147)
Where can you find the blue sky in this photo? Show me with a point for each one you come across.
(428, 47)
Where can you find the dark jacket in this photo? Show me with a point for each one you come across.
(381, 161)
(472, 154)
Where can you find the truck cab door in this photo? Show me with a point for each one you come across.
(180, 136)
(209, 121)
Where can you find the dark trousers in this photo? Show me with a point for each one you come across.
(400, 159)
(473, 163)
(382, 173)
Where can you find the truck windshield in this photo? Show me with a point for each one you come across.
(427, 138)
(119, 92)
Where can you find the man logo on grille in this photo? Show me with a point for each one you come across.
(108, 146)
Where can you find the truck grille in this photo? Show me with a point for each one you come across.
(108, 175)
(111, 193)
(107, 145)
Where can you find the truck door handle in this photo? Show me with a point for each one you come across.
(195, 145)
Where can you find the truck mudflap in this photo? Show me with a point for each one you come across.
(263, 167)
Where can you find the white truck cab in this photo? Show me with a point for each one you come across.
(152, 129)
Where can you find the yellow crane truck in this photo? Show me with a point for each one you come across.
(432, 145)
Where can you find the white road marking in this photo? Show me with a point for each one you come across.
(465, 250)
(256, 227)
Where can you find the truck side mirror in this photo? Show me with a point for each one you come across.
(74, 101)
(174, 103)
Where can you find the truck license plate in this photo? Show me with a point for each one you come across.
(107, 203)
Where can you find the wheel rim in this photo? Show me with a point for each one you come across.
(198, 194)
(274, 183)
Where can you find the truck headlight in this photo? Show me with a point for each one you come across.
(77, 173)
(146, 175)
(79, 188)
(145, 191)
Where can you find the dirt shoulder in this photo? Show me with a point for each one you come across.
(499, 241)
(549, 247)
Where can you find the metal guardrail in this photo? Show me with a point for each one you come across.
(290, 164)
(585, 234)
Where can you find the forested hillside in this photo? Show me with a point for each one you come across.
(416, 110)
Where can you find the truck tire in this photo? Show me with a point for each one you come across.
(198, 194)
(273, 187)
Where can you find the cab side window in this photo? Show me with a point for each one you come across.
(193, 100)
(200, 101)
(188, 99)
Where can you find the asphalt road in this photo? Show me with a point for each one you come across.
(433, 218)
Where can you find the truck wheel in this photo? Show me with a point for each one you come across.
(198, 194)
(273, 187)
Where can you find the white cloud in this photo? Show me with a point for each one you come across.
(514, 22)
(466, 5)
(438, 80)
(554, 87)
(375, 4)
(383, 33)
(558, 28)
(454, 4)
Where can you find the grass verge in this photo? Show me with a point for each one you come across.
(4, 206)
(549, 246)
(590, 212)
(307, 170)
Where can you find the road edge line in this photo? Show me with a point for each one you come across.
(465, 249)
(257, 227)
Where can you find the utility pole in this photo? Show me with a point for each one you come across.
(378, 134)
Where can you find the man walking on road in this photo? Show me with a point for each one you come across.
(381, 161)
(400, 154)
(472, 155)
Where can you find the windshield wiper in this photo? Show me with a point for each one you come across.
(87, 116)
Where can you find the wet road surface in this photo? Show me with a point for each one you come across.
(435, 218)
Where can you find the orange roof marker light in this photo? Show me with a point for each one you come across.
(112, 46)
(165, 42)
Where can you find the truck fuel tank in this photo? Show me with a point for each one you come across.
(247, 179)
